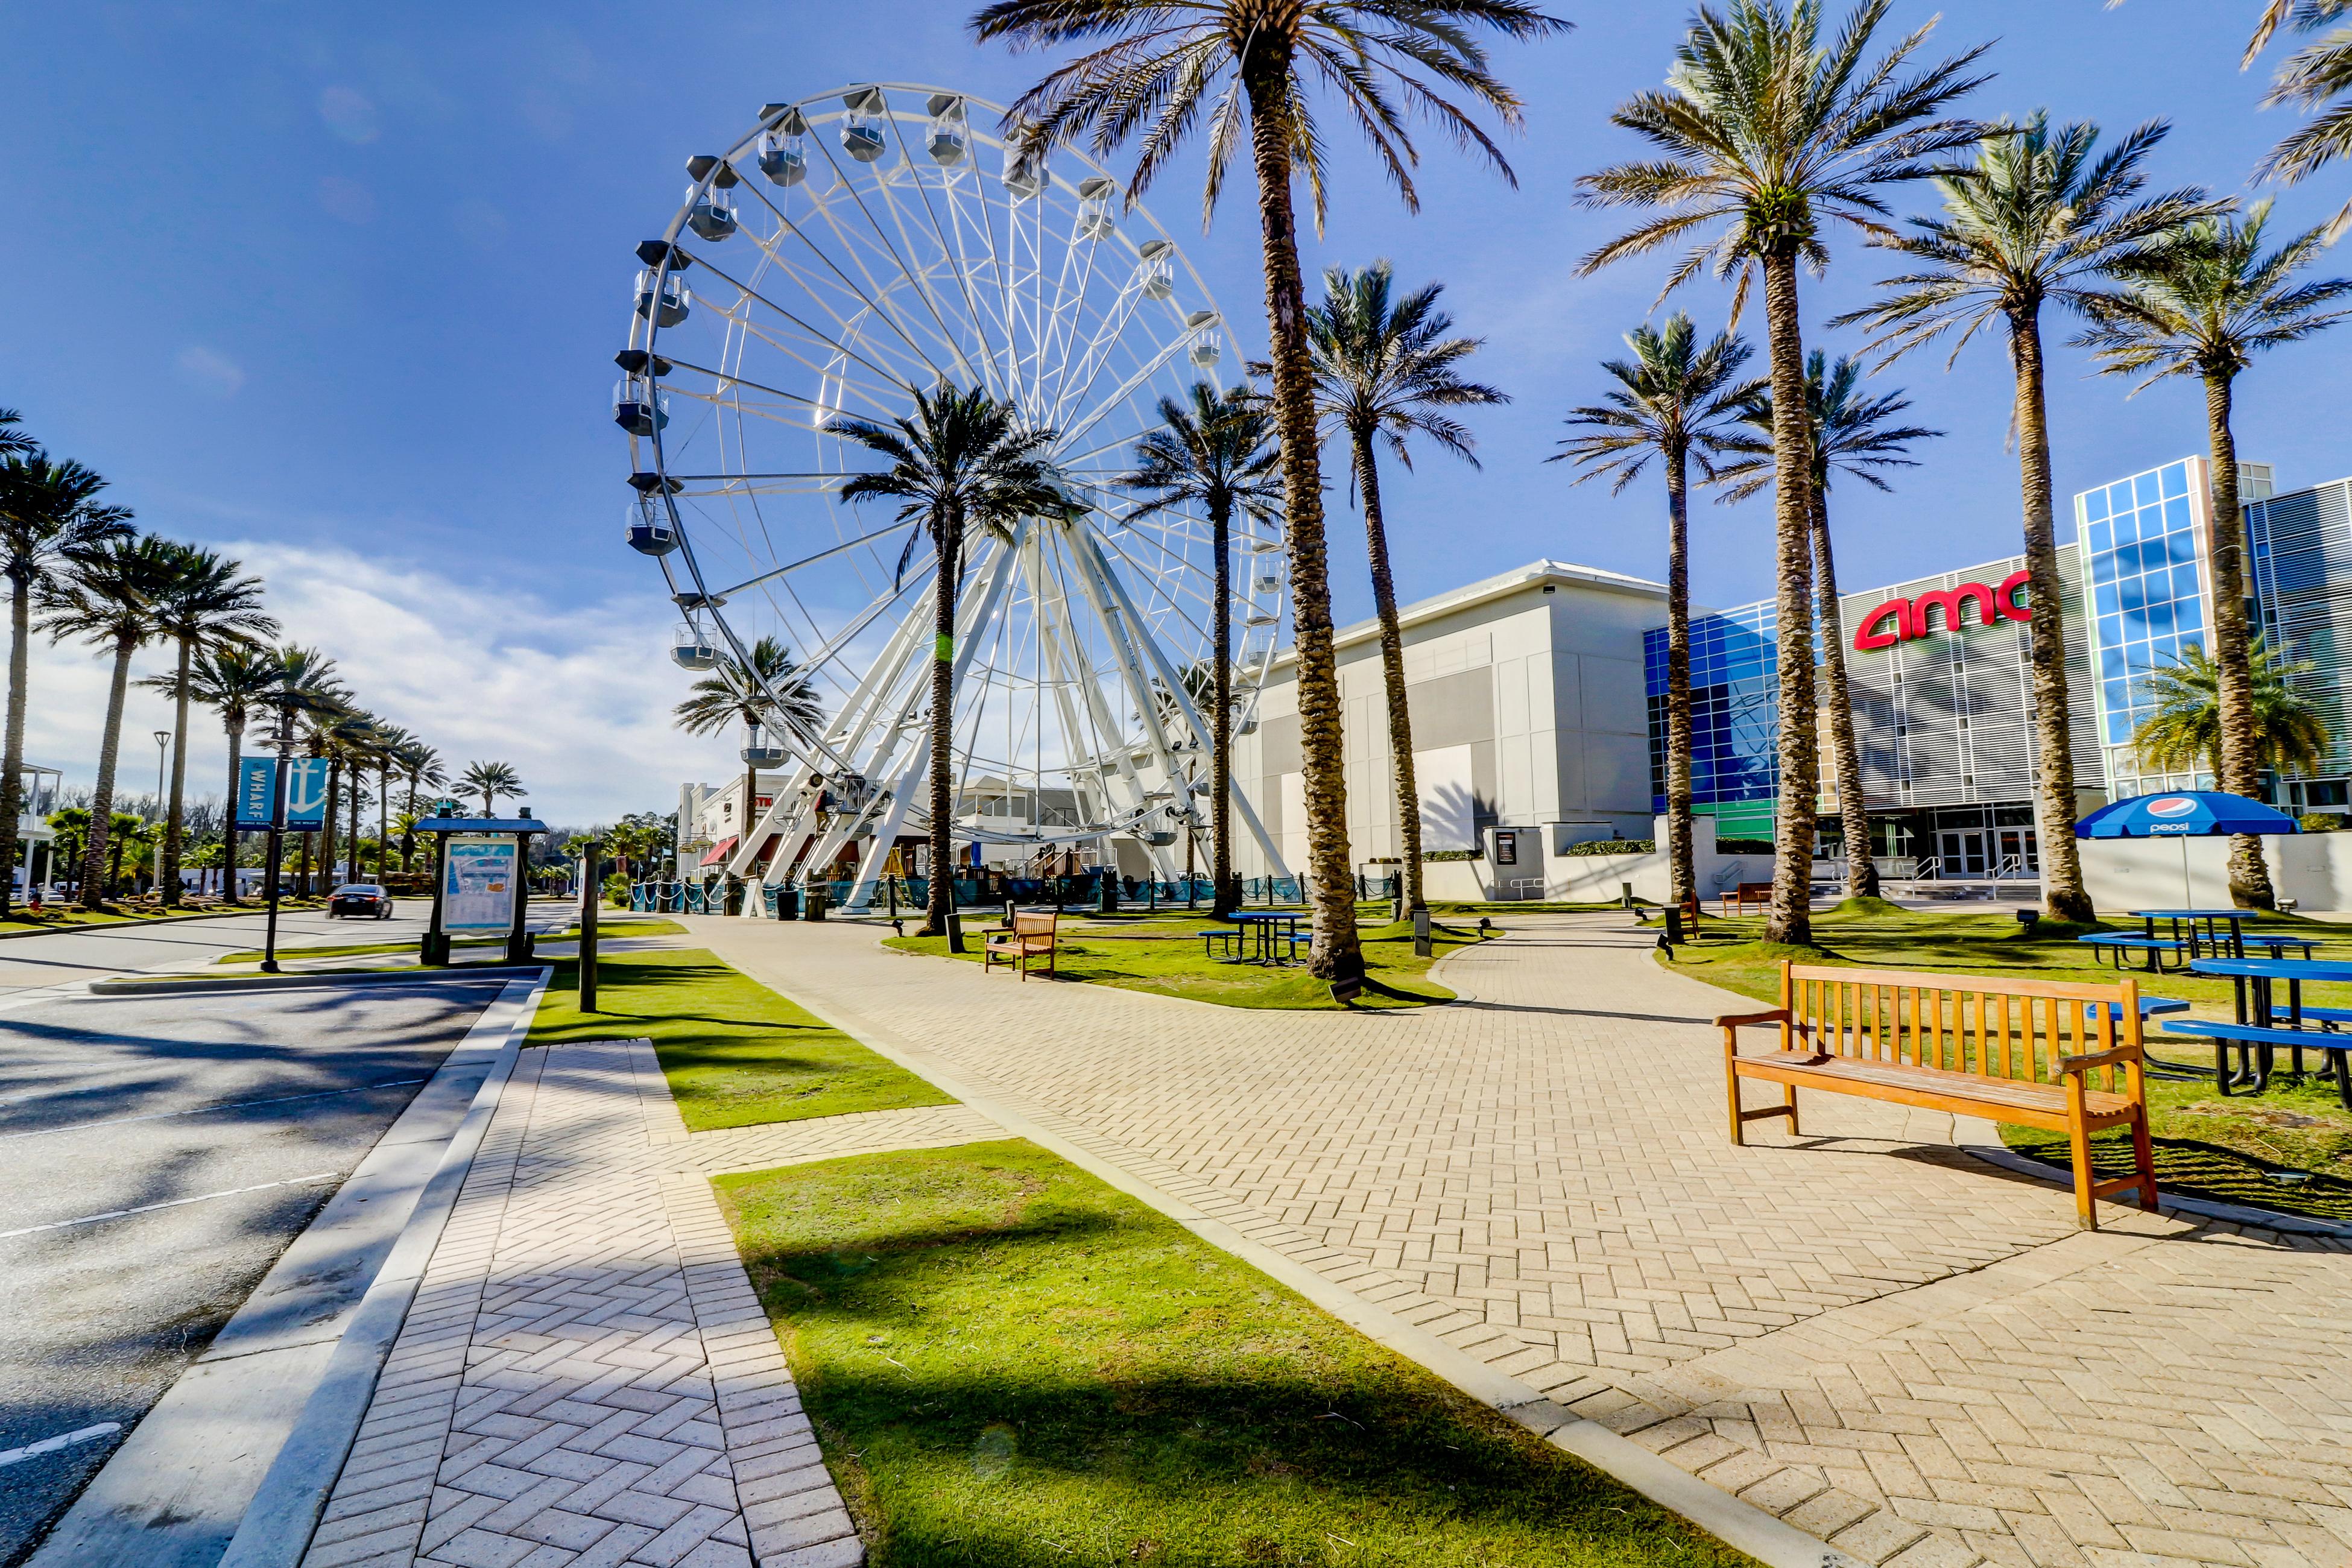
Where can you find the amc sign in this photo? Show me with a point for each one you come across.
(1899, 620)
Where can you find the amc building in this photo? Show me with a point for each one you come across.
(1532, 733)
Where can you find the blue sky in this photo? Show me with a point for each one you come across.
(340, 286)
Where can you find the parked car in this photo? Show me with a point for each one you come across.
(360, 898)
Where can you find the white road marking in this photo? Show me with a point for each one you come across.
(171, 1204)
(196, 1109)
(62, 1441)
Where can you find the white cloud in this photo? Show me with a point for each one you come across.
(577, 700)
(210, 371)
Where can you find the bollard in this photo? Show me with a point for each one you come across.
(1673, 934)
(955, 931)
(1625, 895)
(1421, 948)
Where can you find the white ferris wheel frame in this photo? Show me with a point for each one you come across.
(866, 773)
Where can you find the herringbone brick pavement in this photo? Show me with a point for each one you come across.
(1905, 1351)
(586, 1377)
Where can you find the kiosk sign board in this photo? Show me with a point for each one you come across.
(478, 883)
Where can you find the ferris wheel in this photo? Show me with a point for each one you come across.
(847, 250)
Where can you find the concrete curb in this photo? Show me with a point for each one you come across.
(1743, 1525)
(2203, 1208)
(95, 928)
(284, 1513)
(314, 979)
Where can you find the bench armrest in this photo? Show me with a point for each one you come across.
(2123, 1053)
(1736, 1020)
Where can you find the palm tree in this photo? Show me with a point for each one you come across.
(233, 679)
(768, 689)
(1849, 432)
(388, 748)
(964, 461)
(107, 596)
(15, 443)
(1383, 367)
(2039, 220)
(307, 694)
(1676, 402)
(2184, 732)
(2204, 305)
(1219, 456)
(491, 780)
(205, 606)
(1771, 131)
(2317, 79)
(49, 515)
(422, 764)
(1161, 63)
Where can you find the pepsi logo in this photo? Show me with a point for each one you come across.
(2171, 806)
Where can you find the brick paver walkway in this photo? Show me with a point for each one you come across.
(586, 1378)
(1891, 1344)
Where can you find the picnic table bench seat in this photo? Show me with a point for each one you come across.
(1029, 936)
(2058, 1056)
(1227, 938)
(2254, 1043)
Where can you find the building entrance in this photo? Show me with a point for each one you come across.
(1999, 852)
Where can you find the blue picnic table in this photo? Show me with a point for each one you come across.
(1262, 924)
(2194, 934)
(2260, 1028)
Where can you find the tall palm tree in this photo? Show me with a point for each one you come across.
(206, 604)
(233, 679)
(13, 442)
(2203, 306)
(49, 515)
(963, 461)
(768, 689)
(1850, 433)
(2317, 79)
(308, 697)
(107, 596)
(491, 780)
(1678, 401)
(1771, 131)
(1217, 455)
(1382, 369)
(1156, 64)
(422, 766)
(2183, 732)
(2039, 220)
(386, 747)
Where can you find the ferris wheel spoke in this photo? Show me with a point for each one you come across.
(870, 293)
(1112, 546)
(814, 334)
(923, 191)
(1110, 330)
(775, 573)
(923, 368)
(1151, 368)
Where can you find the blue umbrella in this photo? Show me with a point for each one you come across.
(2189, 813)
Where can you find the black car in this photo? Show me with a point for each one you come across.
(360, 898)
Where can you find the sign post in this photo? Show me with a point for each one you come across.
(591, 861)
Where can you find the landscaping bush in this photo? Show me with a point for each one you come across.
(1613, 847)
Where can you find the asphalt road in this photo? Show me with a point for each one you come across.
(239, 1113)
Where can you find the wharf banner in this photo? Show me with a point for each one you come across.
(306, 793)
(477, 889)
(256, 791)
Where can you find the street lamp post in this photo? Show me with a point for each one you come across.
(163, 751)
(277, 837)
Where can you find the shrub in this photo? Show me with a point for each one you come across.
(1613, 847)
(2320, 822)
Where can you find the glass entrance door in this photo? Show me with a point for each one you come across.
(2021, 853)
(1962, 852)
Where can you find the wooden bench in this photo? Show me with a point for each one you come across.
(2031, 1053)
(1028, 936)
(1747, 896)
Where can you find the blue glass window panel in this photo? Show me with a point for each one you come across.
(2146, 490)
(2102, 567)
(2176, 514)
(2184, 584)
(2101, 536)
(2111, 631)
(2159, 618)
(2108, 601)
(2094, 504)
(2118, 695)
(2182, 546)
(2176, 478)
(2126, 526)
(2119, 497)
(2188, 617)
(2112, 664)
(2133, 591)
(2135, 658)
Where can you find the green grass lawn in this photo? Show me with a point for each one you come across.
(70, 917)
(1009, 1364)
(2289, 1149)
(1164, 955)
(354, 949)
(735, 1053)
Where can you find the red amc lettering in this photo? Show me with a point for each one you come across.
(1900, 620)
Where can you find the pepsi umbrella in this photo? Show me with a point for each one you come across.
(2189, 813)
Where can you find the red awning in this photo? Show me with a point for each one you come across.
(720, 851)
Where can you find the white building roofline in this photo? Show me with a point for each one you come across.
(1535, 574)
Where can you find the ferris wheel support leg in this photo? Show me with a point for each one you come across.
(979, 608)
(1183, 700)
(1085, 781)
(1094, 575)
(1137, 797)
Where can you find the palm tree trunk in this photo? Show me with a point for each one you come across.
(1792, 442)
(1226, 900)
(2064, 893)
(1408, 790)
(1266, 76)
(408, 835)
(232, 723)
(11, 782)
(940, 902)
(1681, 875)
(1861, 870)
(2249, 878)
(174, 813)
(94, 862)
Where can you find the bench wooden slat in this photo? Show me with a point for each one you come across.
(1909, 1038)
